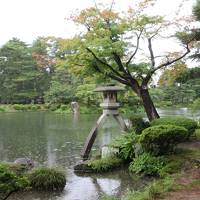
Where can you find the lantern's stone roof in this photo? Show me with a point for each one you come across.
(108, 88)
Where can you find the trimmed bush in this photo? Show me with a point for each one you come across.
(48, 179)
(162, 139)
(138, 124)
(147, 164)
(187, 123)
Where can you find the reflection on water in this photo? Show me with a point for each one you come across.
(56, 140)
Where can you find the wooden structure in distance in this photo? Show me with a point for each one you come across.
(110, 108)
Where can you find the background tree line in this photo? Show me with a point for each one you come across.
(58, 71)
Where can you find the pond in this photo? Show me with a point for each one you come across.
(56, 140)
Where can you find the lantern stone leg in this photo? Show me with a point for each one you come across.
(110, 108)
(91, 138)
(121, 122)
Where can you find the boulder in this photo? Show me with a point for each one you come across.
(27, 162)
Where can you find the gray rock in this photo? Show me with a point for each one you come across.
(28, 162)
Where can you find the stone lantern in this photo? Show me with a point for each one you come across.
(110, 108)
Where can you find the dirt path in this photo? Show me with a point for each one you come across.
(190, 180)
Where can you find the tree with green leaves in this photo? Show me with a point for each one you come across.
(18, 73)
(196, 31)
(169, 76)
(22, 79)
(62, 87)
(119, 46)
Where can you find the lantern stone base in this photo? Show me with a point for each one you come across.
(107, 151)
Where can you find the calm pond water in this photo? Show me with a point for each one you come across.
(56, 140)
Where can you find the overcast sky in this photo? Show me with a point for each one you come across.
(28, 19)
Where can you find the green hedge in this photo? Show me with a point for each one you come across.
(187, 123)
(162, 139)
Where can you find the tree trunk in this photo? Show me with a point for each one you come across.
(148, 104)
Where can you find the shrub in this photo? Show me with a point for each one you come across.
(105, 164)
(138, 124)
(2, 109)
(147, 164)
(10, 181)
(18, 107)
(162, 139)
(54, 107)
(64, 107)
(35, 107)
(126, 144)
(189, 124)
(196, 105)
(48, 179)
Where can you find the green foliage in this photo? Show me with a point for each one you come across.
(26, 107)
(54, 107)
(64, 107)
(169, 76)
(10, 181)
(196, 105)
(189, 74)
(19, 107)
(108, 198)
(105, 164)
(85, 93)
(20, 80)
(48, 179)
(138, 124)
(196, 10)
(187, 123)
(126, 144)
(161, 139)
(2, 109)
(147, 164)
(153, 191)
(173, 165)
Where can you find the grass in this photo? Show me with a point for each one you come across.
(197, 134)
(47, 179)
(151, 192)
(105, 164)
(183, 159)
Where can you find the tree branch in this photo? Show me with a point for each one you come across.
(119, 79)
(105, 63)
(119, 62)
(136, 48)
(151, 52)
(173, 61)
(151, 72)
